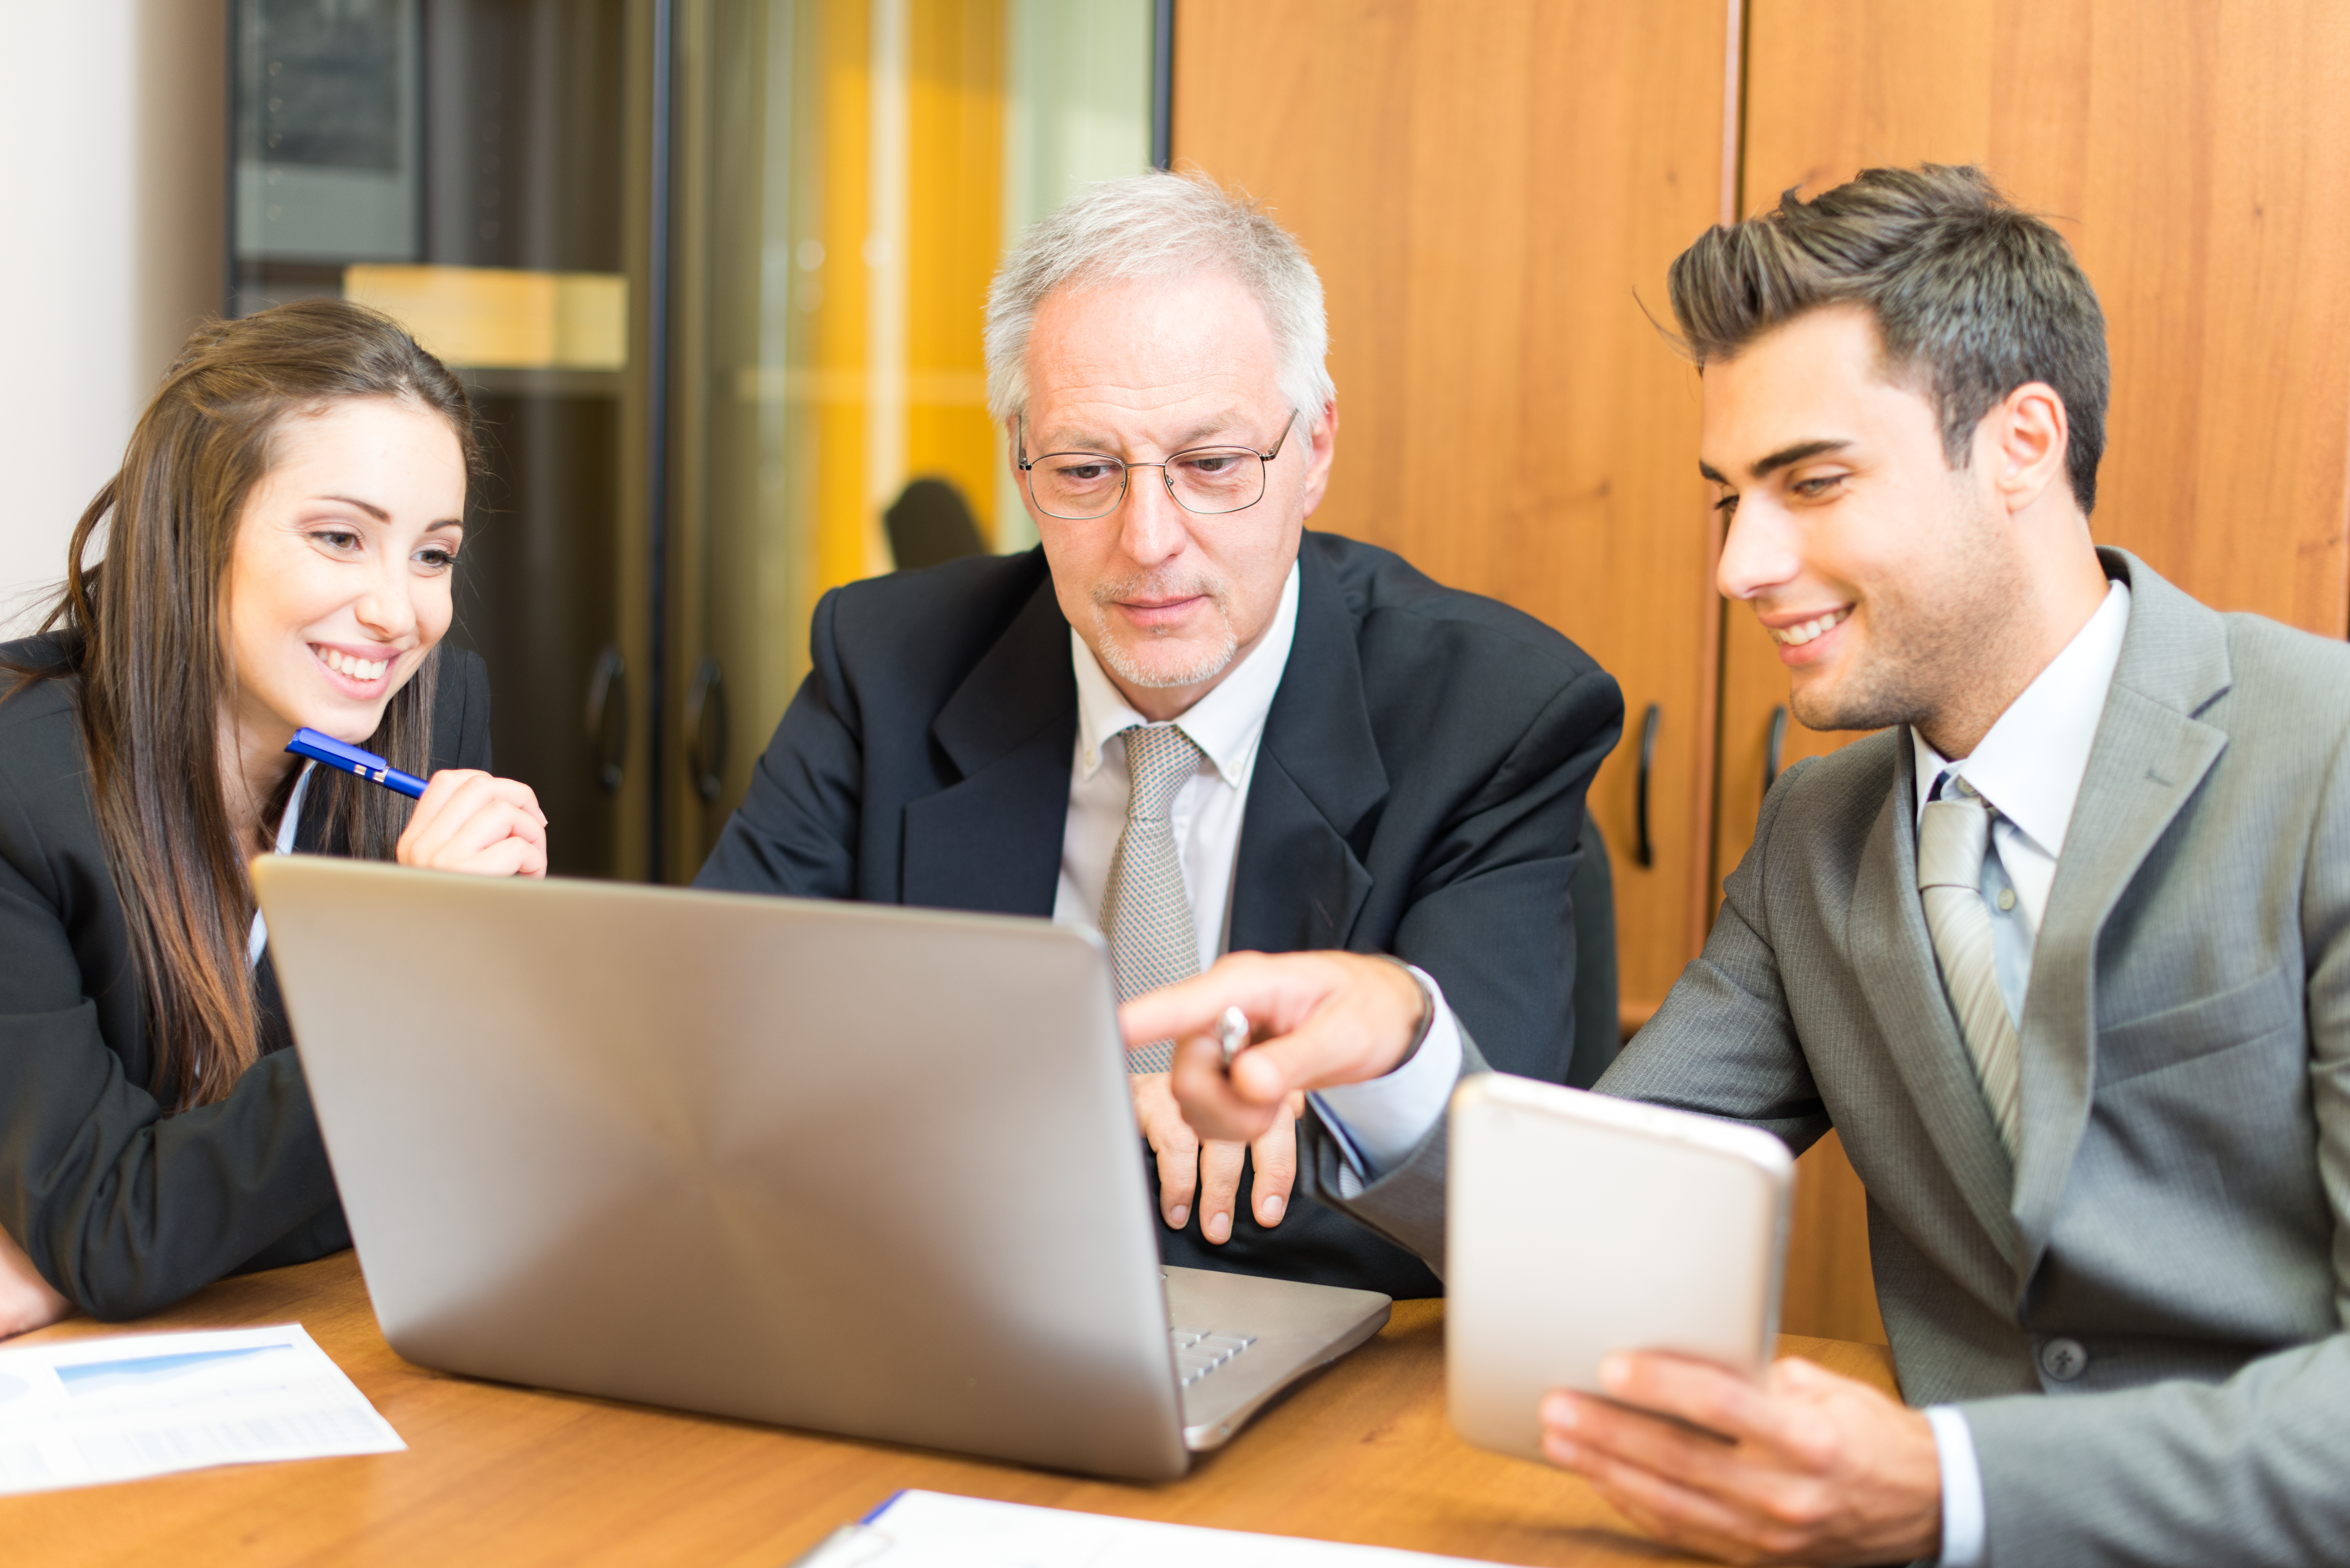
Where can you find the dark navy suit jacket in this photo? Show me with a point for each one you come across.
(1419, 791)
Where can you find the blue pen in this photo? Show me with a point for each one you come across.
(345, 759)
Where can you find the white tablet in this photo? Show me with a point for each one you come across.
(1578, 1224)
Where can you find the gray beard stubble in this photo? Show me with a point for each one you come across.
(1123, 664)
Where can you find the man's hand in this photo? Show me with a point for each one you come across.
(1184, 1162)
(1810, 1467)
(1323, 1018)
(473, 822)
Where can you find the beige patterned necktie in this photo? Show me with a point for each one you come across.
(1145, 913)
(1952, 837)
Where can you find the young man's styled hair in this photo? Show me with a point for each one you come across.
(1971, 295)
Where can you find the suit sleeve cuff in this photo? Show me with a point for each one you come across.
(1962, 1489)
(1377, 1123)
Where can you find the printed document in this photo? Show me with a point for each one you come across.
(89, 1410)
(932, 1530)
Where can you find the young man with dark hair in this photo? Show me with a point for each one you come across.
(2063, 953)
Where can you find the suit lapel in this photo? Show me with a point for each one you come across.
(2150, 755)
(1903, 982)
(992, 841)
(1300, 883)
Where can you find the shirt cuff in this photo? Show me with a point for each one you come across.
(1963, 1525)
(1380, 1122)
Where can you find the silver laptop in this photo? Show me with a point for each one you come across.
(863, 1170)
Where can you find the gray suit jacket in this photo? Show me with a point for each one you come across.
(2179, 1204)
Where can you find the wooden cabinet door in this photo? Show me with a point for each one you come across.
(2198, 157)
(1491, 192)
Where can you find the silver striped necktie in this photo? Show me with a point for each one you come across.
(1953, 837)
(1145, 913)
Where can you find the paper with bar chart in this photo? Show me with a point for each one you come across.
(85, 1411)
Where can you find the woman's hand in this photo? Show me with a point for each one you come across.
(26, 1300)
(472, 821)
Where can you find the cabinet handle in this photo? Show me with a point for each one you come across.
(705, 725)
(607, 719)
(1643, 851)
(1775, 747)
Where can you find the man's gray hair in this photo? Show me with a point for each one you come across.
(1160, 225)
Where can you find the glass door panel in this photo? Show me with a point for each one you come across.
(849, 172)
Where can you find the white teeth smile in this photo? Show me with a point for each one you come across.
(342, 663)
(1796, 636)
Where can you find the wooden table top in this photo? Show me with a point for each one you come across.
(505, 1475)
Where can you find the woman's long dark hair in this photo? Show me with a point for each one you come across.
(148, 660)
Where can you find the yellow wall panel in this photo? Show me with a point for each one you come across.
(954, 111)
(843, 523)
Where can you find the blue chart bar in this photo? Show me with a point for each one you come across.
(97, 1377)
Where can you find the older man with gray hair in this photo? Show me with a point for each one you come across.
(1184, 718)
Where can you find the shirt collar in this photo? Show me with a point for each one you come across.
(1225, 723)
(2031, 764)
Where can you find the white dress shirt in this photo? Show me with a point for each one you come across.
(2028, 767)
(1226, 725)
(288, 825)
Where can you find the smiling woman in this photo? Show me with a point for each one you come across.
(279, 552)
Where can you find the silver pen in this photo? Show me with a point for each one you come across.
(1232, 1033)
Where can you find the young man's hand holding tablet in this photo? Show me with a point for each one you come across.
(1579, 1226)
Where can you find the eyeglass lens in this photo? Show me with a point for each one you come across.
(1078, 486)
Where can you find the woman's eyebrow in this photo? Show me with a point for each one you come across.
(369, 507)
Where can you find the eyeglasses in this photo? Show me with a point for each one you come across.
(1076, 486)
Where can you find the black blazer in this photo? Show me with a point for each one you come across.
(1419, 791)
(123, 1208)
